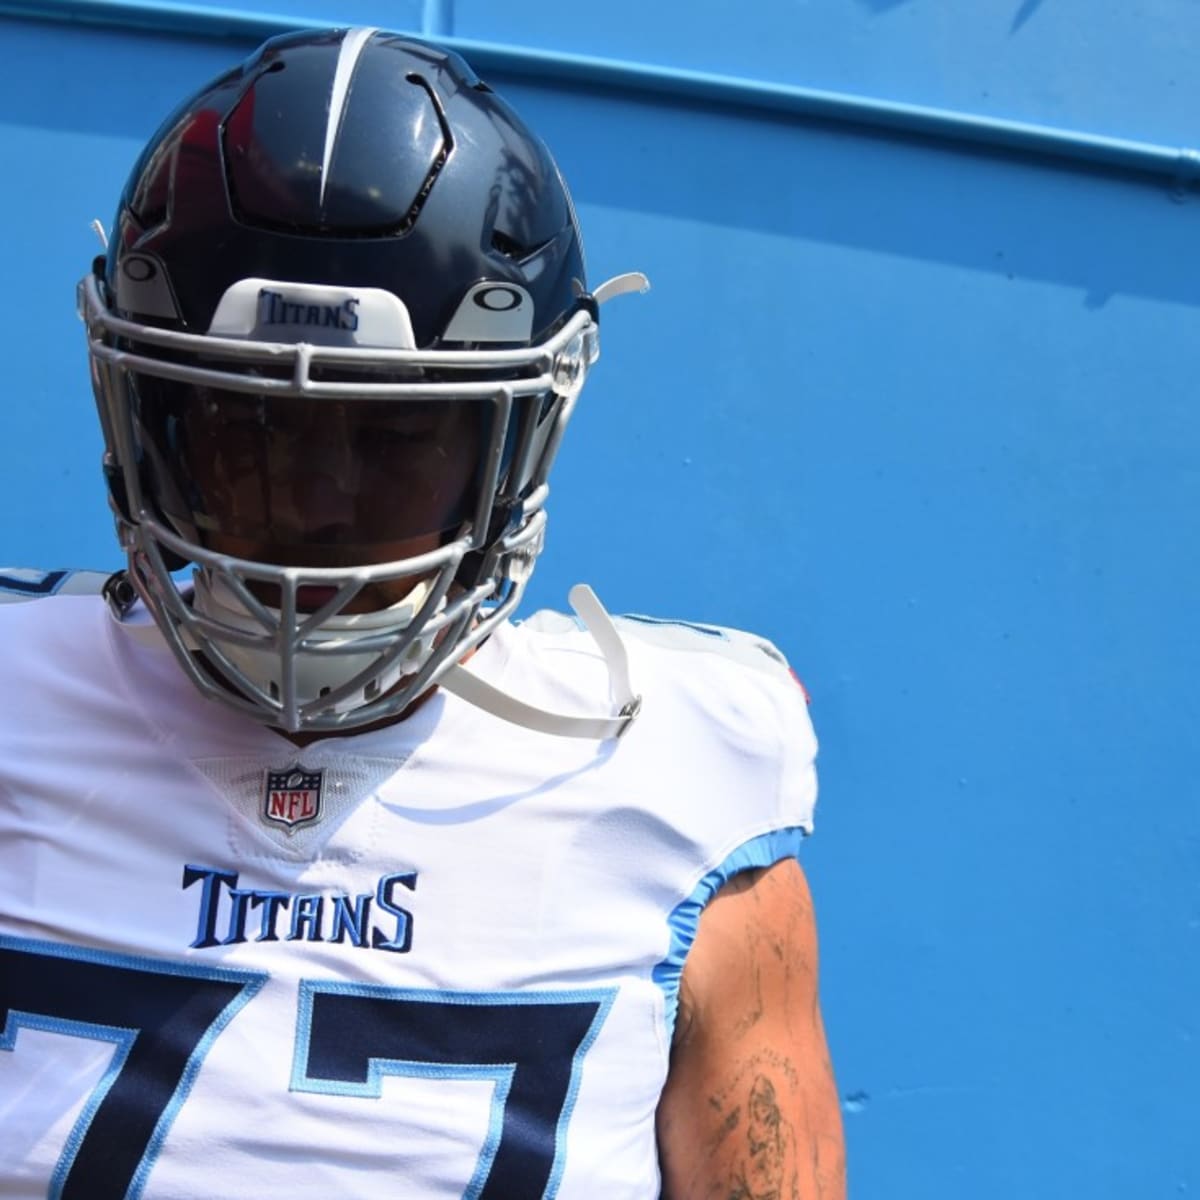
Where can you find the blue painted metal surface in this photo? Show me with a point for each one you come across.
(1123, 67)
(1180, 164)
(207, 20)
(921, 411)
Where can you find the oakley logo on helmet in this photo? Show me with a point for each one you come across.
(142, 287)
(276, 309)
(139, 268)
(492, 312)
(497, 299)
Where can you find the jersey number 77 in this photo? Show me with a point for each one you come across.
(163, 1019)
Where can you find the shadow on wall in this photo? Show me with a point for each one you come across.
(1027, 9)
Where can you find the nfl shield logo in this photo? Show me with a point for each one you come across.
(293, 797)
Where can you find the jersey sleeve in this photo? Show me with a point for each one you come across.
(753, 734)
(27, 583)
(798, 758)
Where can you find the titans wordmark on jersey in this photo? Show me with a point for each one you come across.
(451, 973)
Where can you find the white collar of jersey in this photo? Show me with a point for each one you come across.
(466, 685)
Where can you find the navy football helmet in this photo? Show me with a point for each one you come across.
(339, 330)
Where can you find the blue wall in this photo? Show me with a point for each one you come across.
(922, 410)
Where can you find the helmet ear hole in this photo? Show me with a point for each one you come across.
(502, 243)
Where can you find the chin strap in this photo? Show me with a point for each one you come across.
(462, 683)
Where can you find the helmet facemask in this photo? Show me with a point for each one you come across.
(357, 518)
(333, 262)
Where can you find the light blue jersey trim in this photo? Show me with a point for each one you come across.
(709, 631)
(762, 851)
(27, 583)
(121, 1040)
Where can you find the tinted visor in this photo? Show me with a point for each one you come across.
(306, 481)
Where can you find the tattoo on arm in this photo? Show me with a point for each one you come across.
(762, 1136)
(767, 1163)
(751, 1108)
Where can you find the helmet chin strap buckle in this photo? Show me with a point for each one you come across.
(119, 594)
(469, 687)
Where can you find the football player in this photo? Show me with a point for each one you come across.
(321, 875)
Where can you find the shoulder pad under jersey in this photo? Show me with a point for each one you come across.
(26, 583)
(748, 649)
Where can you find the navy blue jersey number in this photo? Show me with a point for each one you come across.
(529, 1044)
(161, 1019)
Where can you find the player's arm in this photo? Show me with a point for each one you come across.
(750, 1110)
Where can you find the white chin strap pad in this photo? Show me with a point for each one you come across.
(463, 684)
(315, 673)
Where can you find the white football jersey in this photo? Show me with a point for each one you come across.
(436, 960)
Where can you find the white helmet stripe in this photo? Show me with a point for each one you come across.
(353, 44)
